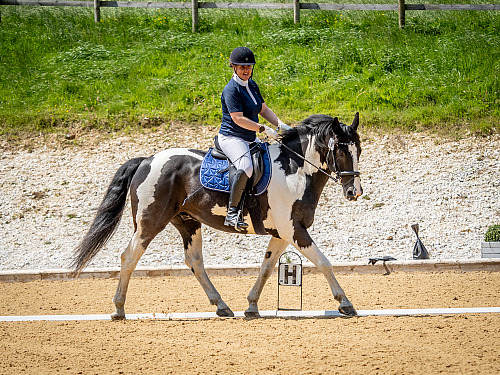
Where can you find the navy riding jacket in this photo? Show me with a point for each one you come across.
(236, 98)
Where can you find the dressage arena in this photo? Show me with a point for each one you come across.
(444, 343)
(449, 343)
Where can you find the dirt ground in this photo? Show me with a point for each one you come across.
(458, 344)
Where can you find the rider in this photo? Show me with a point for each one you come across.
(242, 102)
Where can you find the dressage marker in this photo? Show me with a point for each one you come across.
(289, 275)
(264, 314)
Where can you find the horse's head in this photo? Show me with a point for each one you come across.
(343, 154)
(338, 146)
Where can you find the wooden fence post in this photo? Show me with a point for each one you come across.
(194, 10)
(97, 11)
(401, 5)
(296, 11)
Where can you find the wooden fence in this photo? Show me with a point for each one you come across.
(296, 6)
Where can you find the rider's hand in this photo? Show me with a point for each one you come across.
(270, 132)
(282, 126)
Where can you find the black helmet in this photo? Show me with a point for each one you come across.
(242, 56)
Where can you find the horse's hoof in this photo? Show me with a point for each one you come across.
(348, 310)
(252, 314)
(224, 312)
(116, 316)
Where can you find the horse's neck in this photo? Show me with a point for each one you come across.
(309, 168)
(319, 179)
(309, 148)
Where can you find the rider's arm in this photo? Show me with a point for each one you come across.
(268, 114)
(245, 122)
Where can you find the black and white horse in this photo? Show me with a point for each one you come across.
(301, 165)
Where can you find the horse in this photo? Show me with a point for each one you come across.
(165, 188)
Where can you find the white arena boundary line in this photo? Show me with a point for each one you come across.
(263, 314)
(359, 267)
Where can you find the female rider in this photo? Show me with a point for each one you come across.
(242, 103)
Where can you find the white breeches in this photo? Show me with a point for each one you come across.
(238, 151)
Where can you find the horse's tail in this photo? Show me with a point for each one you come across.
(108, 216)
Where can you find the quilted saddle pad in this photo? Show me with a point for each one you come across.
(214, 173)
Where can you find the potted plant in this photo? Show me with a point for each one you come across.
(490, 248)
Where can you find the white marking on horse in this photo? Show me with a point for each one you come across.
(353, 150)
(312, 155)
(284, 191)
(219, 210)
(146, 190)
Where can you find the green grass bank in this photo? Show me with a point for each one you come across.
(59, 70)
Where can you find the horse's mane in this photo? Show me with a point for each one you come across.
(321, 127)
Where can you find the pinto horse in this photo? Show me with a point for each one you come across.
(165, 188)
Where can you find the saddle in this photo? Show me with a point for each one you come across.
(216, 173)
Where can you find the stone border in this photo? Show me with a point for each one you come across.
(462, 265)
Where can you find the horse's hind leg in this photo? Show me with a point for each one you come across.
(129, 259)
(190, 231)
(274, 250)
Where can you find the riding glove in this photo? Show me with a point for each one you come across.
(270, 132)
(282, 126)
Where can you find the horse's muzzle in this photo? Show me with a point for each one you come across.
(352, 193)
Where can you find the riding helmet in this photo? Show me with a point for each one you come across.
(242, 56)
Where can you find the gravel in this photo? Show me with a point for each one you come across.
(49, 191)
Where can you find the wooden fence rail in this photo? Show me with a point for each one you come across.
(296, 6)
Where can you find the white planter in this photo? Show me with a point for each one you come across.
(490, 249)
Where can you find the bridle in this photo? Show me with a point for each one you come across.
(332, 148)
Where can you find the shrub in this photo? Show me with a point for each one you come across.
(492, 234)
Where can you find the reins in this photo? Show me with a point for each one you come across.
(307, 161)
(331, 147)
(332, 144)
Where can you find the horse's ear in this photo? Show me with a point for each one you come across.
(337, 129)
(355, 122)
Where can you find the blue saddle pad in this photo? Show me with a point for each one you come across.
(214, 173)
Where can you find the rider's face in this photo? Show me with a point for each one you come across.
(243, 71)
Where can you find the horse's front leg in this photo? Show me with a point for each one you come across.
(274, 250)
(304, 243)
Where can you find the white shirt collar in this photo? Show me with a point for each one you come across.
(245, 85)
(239, 80)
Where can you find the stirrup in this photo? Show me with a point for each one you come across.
(239, 225)
(233, 220)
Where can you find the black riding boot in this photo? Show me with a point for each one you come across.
(238, 185)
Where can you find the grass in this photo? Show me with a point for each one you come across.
(61, 70)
